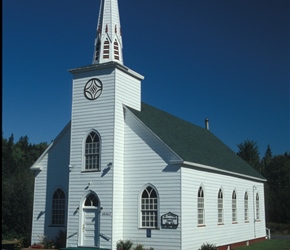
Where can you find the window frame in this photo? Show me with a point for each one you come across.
(96, 166)
(246, 207)
(257, 207)
(234, 207)
(58, 208)
(93, 200)
(151, 212)
(200, 207)
(220, 203)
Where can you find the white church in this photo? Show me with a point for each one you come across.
(124, 170)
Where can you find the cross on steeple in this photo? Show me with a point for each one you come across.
(108, 42)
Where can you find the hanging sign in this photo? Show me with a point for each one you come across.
(169, 221)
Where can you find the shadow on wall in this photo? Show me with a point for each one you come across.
(57, 178)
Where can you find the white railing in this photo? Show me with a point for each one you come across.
(268, 233)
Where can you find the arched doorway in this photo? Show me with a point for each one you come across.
(90, 222)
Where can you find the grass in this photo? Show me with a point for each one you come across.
(268, 245)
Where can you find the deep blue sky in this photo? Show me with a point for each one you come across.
(225, 60)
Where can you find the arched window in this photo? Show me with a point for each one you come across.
(91, 201)
(234, 207)
(200, 206)
(246, 207)
(257, 207)
(220, 207)
(149, 208)
(92, 152)
(58, 208)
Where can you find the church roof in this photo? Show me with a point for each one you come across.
(194, 144)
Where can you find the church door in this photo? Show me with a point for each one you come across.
(90, 222)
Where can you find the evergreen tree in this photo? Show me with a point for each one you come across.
(278, 189)
(276, 169)
(8, 166)
(249, 152)
(266, 160)
(17, 186)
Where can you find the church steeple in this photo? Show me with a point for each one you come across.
(108, 42)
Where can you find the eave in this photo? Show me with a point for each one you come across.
(218, 170)
(107, 65)
(35, 166)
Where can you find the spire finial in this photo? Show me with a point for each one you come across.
(108, 43)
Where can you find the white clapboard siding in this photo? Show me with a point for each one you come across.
(127, 92)
(54, 174)
(146, 162)
(104, 115)
(193, 236)
(90, 115)
(38, 218)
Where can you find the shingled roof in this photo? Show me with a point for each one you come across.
(193, 143)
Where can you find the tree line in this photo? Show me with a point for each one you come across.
(17, 186)
(276, 169)
(18, 183)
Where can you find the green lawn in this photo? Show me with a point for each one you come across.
(269, 245)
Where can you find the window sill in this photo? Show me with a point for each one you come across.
(201, 225)
(221, 224)
(90, 170)
(56, 226)
(234, 222)
(246, 221)
(152, 228)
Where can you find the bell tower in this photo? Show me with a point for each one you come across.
(100, 91)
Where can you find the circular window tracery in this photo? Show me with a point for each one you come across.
(93, 89)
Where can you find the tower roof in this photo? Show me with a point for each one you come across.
(108, 42)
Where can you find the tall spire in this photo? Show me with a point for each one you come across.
(108, 42)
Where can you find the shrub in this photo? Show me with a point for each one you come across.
(207, 246)
(44, 243)
(49, 244)
(60, 239)
(124, 245)
(139, 247)
(279, 228)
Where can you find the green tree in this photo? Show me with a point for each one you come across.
(17, 186)
(249, 152)
(266, 160)
(8, 166)
(278, 189)
(276, 169)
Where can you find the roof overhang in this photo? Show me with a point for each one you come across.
(35, 166)
(201, 166)
(100, 66)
